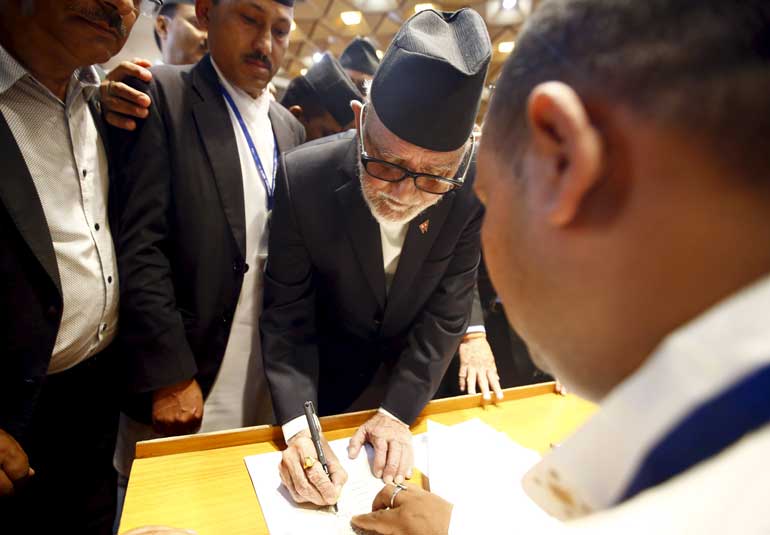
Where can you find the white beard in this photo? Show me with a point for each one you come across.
(385, 208)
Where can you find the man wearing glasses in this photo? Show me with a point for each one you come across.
(373, 254)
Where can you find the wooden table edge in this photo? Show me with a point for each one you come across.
(263, 433)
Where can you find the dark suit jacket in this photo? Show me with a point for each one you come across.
(30, 289)
(327, 325)
(182, 237)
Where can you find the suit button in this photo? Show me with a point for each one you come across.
(225, 319)
(245, 268)
(52, 312)
(235, 267)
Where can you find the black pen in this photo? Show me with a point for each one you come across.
(315, 435)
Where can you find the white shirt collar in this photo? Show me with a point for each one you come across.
(252, 109)
(85, 79)
(591, 470)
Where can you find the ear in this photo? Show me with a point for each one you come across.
(161, 26)
(568, 146)
(296, 111)
(202, 9)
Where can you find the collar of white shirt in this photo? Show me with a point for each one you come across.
(590, 471)
(250, 108)
(84, 79)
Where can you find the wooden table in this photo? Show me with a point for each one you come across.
(200, 481)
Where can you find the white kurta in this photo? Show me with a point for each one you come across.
(240, 395)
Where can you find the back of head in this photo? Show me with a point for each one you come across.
(300, 93)
(324, 88)
(360, 55)
(702, 66)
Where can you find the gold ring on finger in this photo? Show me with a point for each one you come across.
(308, 463)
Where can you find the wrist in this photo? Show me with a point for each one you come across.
(473, 336)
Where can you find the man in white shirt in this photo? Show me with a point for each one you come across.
(624, 168)
(58, 274)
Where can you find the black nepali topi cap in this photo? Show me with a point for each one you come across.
(427, 89)
(172, 2)
(360, 55)
(333, 87)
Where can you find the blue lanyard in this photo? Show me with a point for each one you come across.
(269, 184)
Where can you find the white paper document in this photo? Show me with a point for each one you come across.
(284, 517)
(469, 464)
(475, 466)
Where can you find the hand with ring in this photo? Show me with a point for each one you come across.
(406, 509)
(121, 103)
(304, 477)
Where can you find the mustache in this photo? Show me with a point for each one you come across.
(258, 56)
(101, 13)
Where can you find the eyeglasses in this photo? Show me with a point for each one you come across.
(390, 172)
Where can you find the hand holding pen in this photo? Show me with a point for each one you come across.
(302, 469)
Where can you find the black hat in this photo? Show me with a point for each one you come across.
(334, 88)
(172, 2)
(427, 89)
(360, 55)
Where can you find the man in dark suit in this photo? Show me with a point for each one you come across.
(58, 277)
(370, 278)
(196, 187)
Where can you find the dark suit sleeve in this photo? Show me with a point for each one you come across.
(436, 334)
(152, 335)
(477, 314)
(291, 362)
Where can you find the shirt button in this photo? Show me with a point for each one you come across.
(245, 268)
(109, 279)
(104, 327)
(84, 173)
(97, 227)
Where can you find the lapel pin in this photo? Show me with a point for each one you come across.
(424, 226)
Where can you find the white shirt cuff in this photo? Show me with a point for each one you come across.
(396, 418)
(476, 329)
(294, 426)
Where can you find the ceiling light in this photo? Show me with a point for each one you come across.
(293, 25)
(422, 7)
(317, 57)
(510, 4)
(351, 18)
(379, 53)
(303, 72)
(506, 47)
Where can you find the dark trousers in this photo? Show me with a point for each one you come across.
(70, 442)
